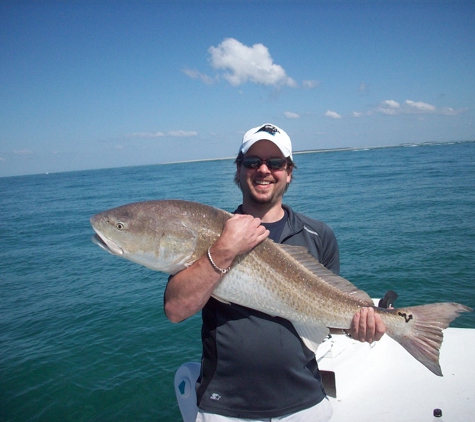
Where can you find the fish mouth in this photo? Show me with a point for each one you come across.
(107, 245)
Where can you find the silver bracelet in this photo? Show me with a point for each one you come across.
(215, 266)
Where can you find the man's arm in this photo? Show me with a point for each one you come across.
(188, 291)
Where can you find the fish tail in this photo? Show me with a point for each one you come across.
(419, 330)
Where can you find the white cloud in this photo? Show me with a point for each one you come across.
(447, 111)
(389, 107)
(310, 84)
(194, 74)
(358, 114)
(393, 108)
(242, 64)
(364, 88)
(420, 106)
(172, 133)
(181, 133)
(145, 135)
(390, 104)
(291, 115)
(23, 152)
(414, 107)
(332, 114)
(362, 114)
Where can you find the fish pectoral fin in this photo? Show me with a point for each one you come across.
(303, 256)
(312, 335)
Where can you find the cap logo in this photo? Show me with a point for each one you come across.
(269, 129)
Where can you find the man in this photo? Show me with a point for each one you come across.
(254, 366)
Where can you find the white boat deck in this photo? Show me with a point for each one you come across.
(382, 381)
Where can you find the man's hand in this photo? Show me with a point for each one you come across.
(367, 325)
(240, 234)
(189, 290)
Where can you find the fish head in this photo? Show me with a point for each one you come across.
(148, 233)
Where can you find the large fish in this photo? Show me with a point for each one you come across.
(284, 281)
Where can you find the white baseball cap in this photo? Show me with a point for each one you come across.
(267, 132)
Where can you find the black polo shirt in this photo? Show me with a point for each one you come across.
(255, 365)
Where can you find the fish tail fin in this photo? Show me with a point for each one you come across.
(421, 334)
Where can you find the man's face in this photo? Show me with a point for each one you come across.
(263, 185)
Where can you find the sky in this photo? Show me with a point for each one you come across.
(89, 85)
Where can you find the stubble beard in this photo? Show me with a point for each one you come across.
(273, 198)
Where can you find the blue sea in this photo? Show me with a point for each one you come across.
(83, 336)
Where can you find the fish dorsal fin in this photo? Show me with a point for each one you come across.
(303, 256)
(312, 336)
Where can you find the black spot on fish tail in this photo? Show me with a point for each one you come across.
(405, 316)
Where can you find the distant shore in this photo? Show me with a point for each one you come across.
(325, 150)
(307, 151)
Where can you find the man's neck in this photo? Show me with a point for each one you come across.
(268, 214)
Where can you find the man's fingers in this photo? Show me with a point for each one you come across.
(241, 233)
(354, 325)
(263, 234)
(380, 328)
(370, 325)
(362, 324)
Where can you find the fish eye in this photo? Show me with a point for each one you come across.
(120, 226)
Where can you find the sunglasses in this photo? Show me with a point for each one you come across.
(271, 163)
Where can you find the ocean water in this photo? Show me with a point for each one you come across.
(83, 336)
